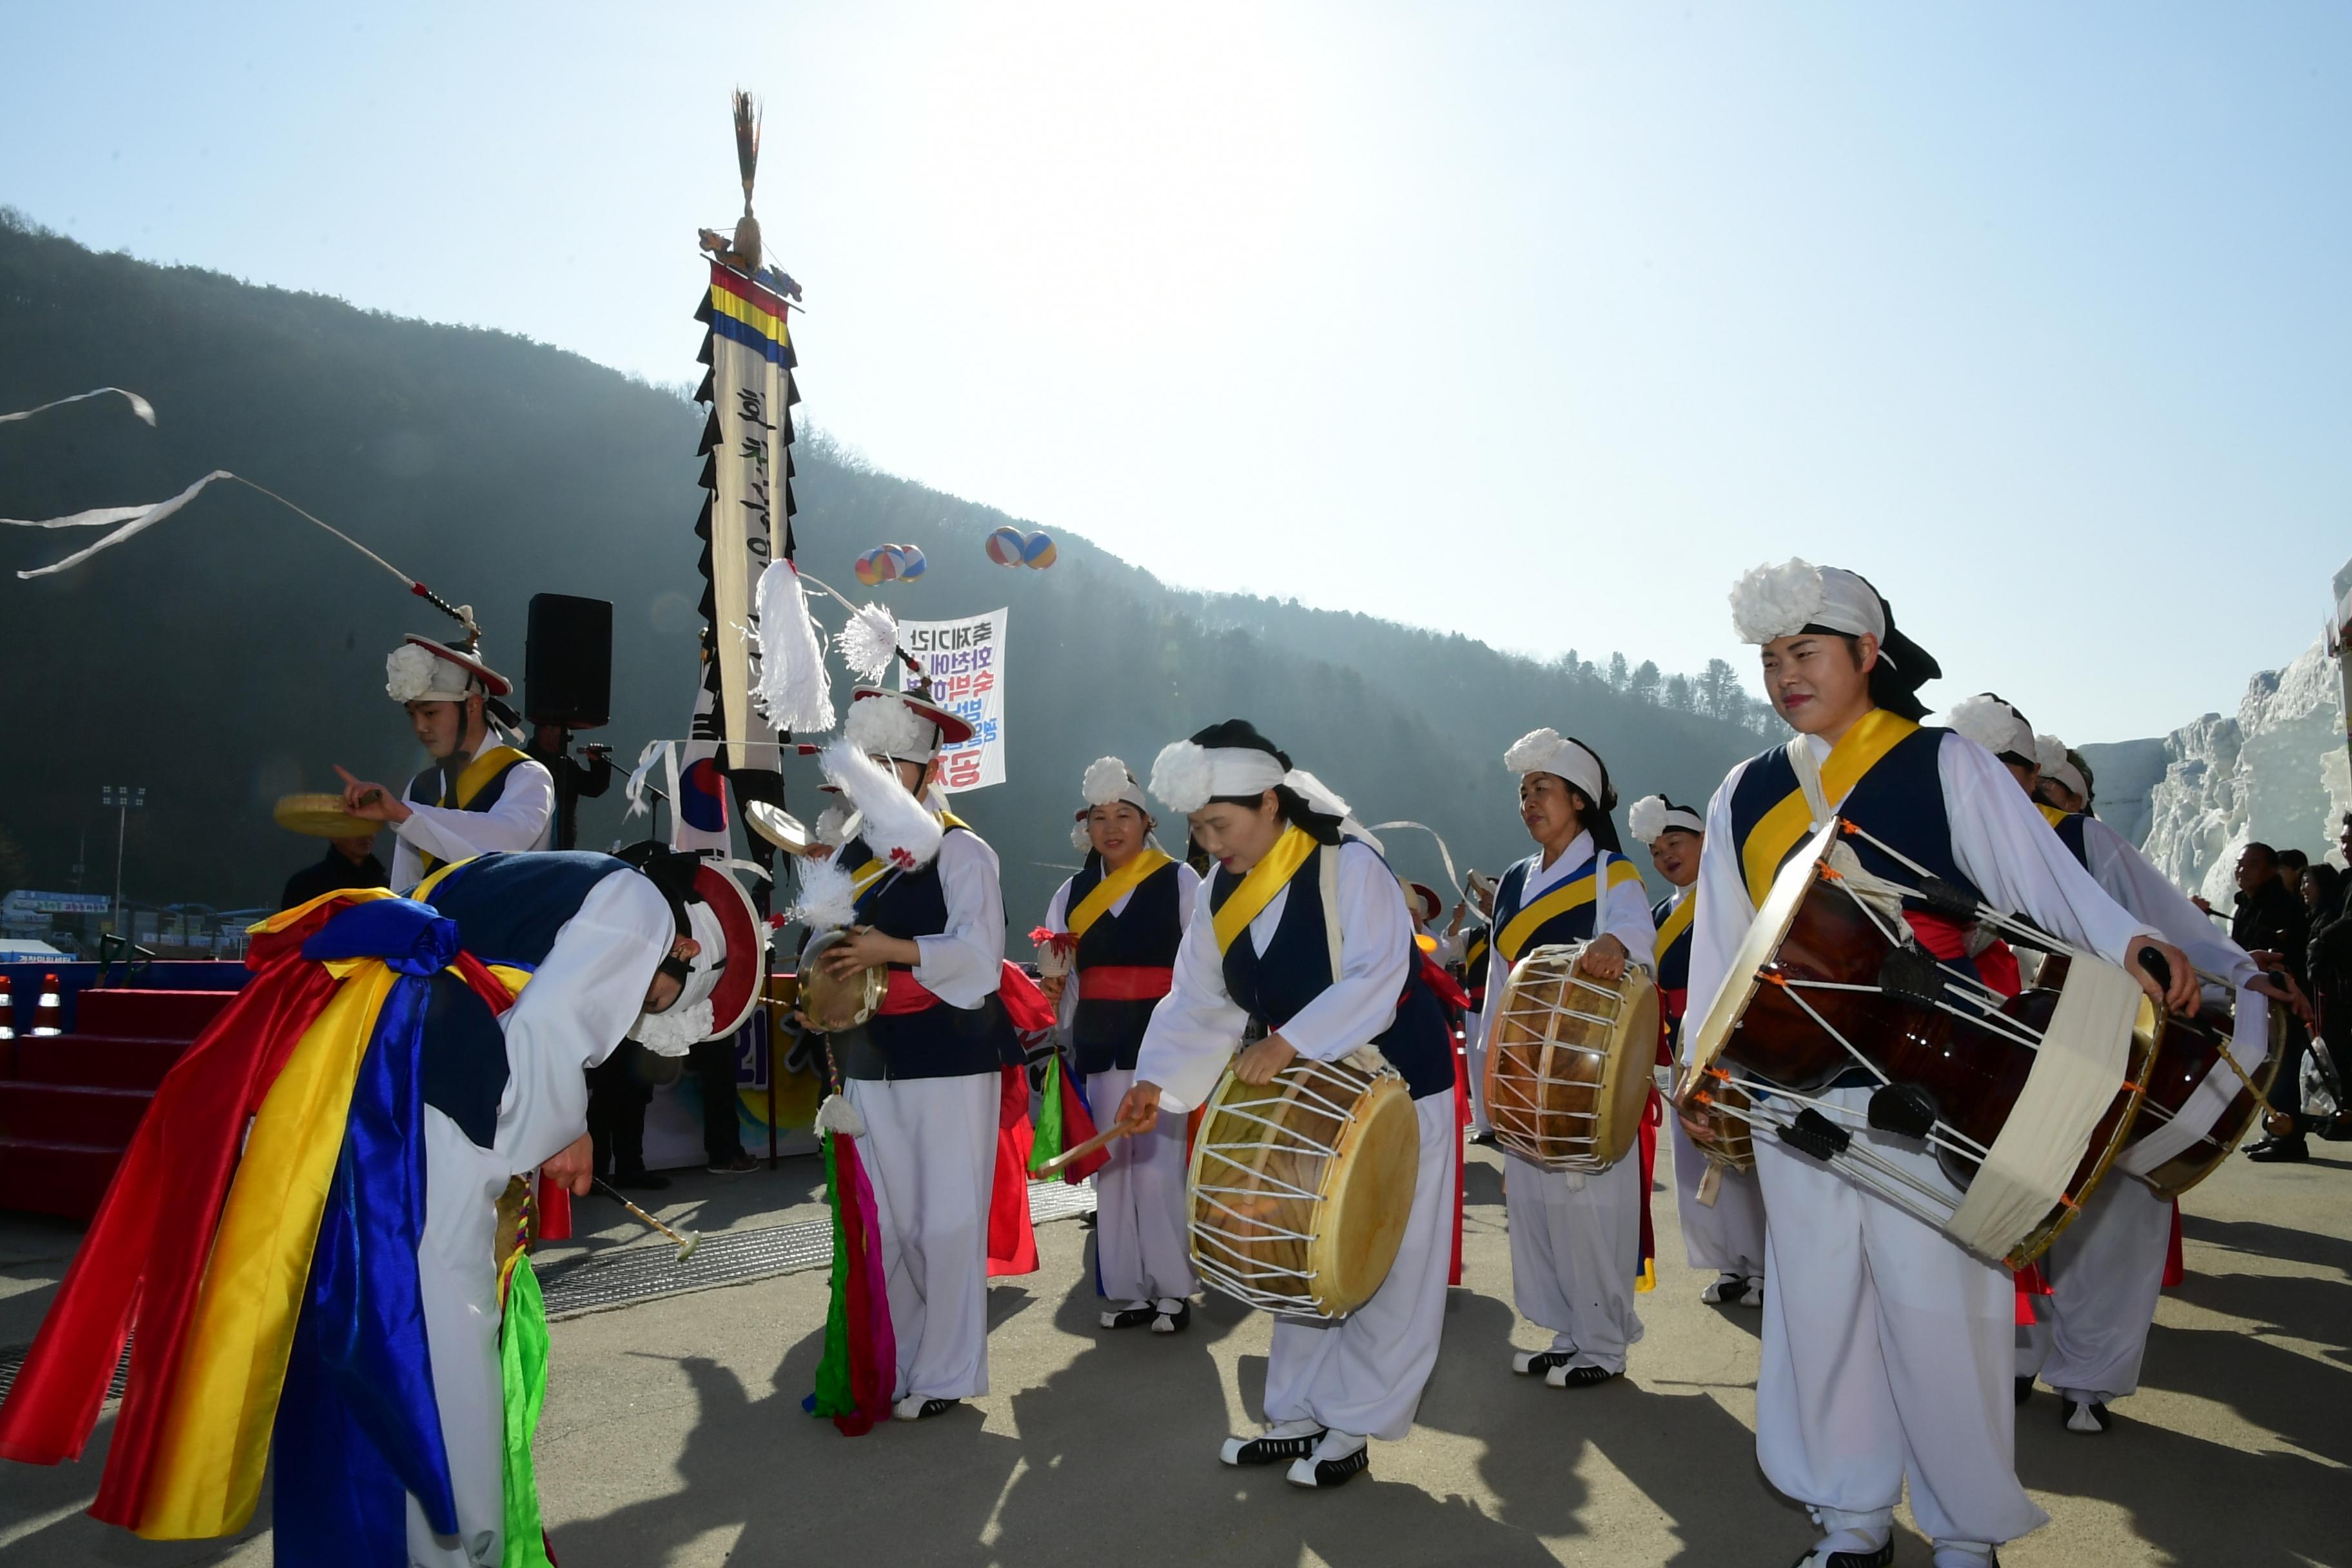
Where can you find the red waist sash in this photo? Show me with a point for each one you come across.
(906, 995)
(1124, 981)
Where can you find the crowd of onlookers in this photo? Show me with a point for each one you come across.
(2295, 916)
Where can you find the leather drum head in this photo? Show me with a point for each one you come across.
(1367, 1201)
(322, 815)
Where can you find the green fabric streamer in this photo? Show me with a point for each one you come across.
(523, 1378)
(1048, 1143)
(833, 1395)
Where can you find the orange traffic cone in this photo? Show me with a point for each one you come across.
(50, 1016)
(8, 1010)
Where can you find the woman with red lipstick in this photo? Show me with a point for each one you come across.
(1303, 929)
(1887, 1344)
(1576, 1238)
(1122, 918)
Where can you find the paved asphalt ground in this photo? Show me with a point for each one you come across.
(674, 1433)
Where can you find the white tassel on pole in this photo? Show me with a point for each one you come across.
(796, 693)
(869, 642)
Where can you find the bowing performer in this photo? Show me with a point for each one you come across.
(1724, 1231)
(1121, 919)
(476, 797)
(1303, 929)
(1887, 1346)
(307, 1236)
(923, 1076)
(2106, 1268)
(1576, 1238)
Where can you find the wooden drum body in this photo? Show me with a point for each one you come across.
(1569, 1062)
(1822, 987)
(2186, 1076)
(1300, 1188)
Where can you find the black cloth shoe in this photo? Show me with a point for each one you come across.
(2024, 1389)
(641, 1182)
(1482, 1141)
(1318, 1475)
(1174, 1323)
(1578, 1377)
(2089, 1419)
(913, 1409)
(1266, 1449)
(1130, 1317)
(1535, 1363)
(1878, 1559)
(2280, 1151)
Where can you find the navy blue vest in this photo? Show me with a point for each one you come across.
(1899, 800)
(1673, 960)
(2069, 829)
(1144, 934)
(1477, 954)
(1569, 925)
(940, 1041)
(1295, 968)
(509, 908)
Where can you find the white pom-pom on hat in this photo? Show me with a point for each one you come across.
(1181, 777)
(884, 726)
(1079, 839)
(674, 1031)
(409, 672)
(1107, 780)
(1993, 724)
(832, 827)
(1770, 602)
(1647, 819)
(1547, 750)
(2048, 753)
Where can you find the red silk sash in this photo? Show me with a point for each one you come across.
(1126, 982)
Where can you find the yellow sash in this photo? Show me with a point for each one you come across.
(475, 777)
(2051, 814)
(1572, 894)
(1776, 832)
(1678, 924)
(1265, 878)
(1115, 887)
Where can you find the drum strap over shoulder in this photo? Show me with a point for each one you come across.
(1328, 881)
(1821, 787)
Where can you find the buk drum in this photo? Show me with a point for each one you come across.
(833, 1003)
(1300, 1188)
(2024, 1102)
(1568, 1064)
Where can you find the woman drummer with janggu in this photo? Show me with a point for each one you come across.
(1887, 1347)
(1576, 1236)
(1725, 1232)
(922, 1076)
(1291, 874)
(1121, 919)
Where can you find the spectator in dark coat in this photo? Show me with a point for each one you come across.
(2270, 922)
(347, 863)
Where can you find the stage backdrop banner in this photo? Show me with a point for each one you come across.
(747, 516)
(965, 661)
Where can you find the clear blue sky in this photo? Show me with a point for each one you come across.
(1539, 322)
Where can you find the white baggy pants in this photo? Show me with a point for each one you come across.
(1363, 1373)
(1887, 1352)
(931, 1151)
(2105, 1271)
(1576, 1252)
(1727, 1238)
(1141, 1250)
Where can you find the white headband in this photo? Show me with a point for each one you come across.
(1781, 601)
(1547, 750)
(1652, 816)
(2050, 762)
(1993, 724)
(1186, 777)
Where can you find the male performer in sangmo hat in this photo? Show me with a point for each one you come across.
(476, 797)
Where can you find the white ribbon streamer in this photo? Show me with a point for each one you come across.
(138, 405)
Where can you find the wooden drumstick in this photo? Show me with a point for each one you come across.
(687, 1242)
(1117, 1130)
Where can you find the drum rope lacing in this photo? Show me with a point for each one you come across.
(1519, 1119)
(1235, 1271)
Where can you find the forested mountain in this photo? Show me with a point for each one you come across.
(234, 653)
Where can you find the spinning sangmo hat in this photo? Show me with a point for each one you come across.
(1995, 724)
(423, 670)
(718, 986)
(904, 726)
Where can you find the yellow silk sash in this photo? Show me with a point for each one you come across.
(2051, 814)
(1113, 887)
(1265, 878)
(483, 769)
(1678, 924)
(1858, 751)
(1572, 894)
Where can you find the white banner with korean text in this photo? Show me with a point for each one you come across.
(964, 661)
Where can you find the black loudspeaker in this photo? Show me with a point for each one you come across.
(567, 662)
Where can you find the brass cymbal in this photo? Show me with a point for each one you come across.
(322, 815)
